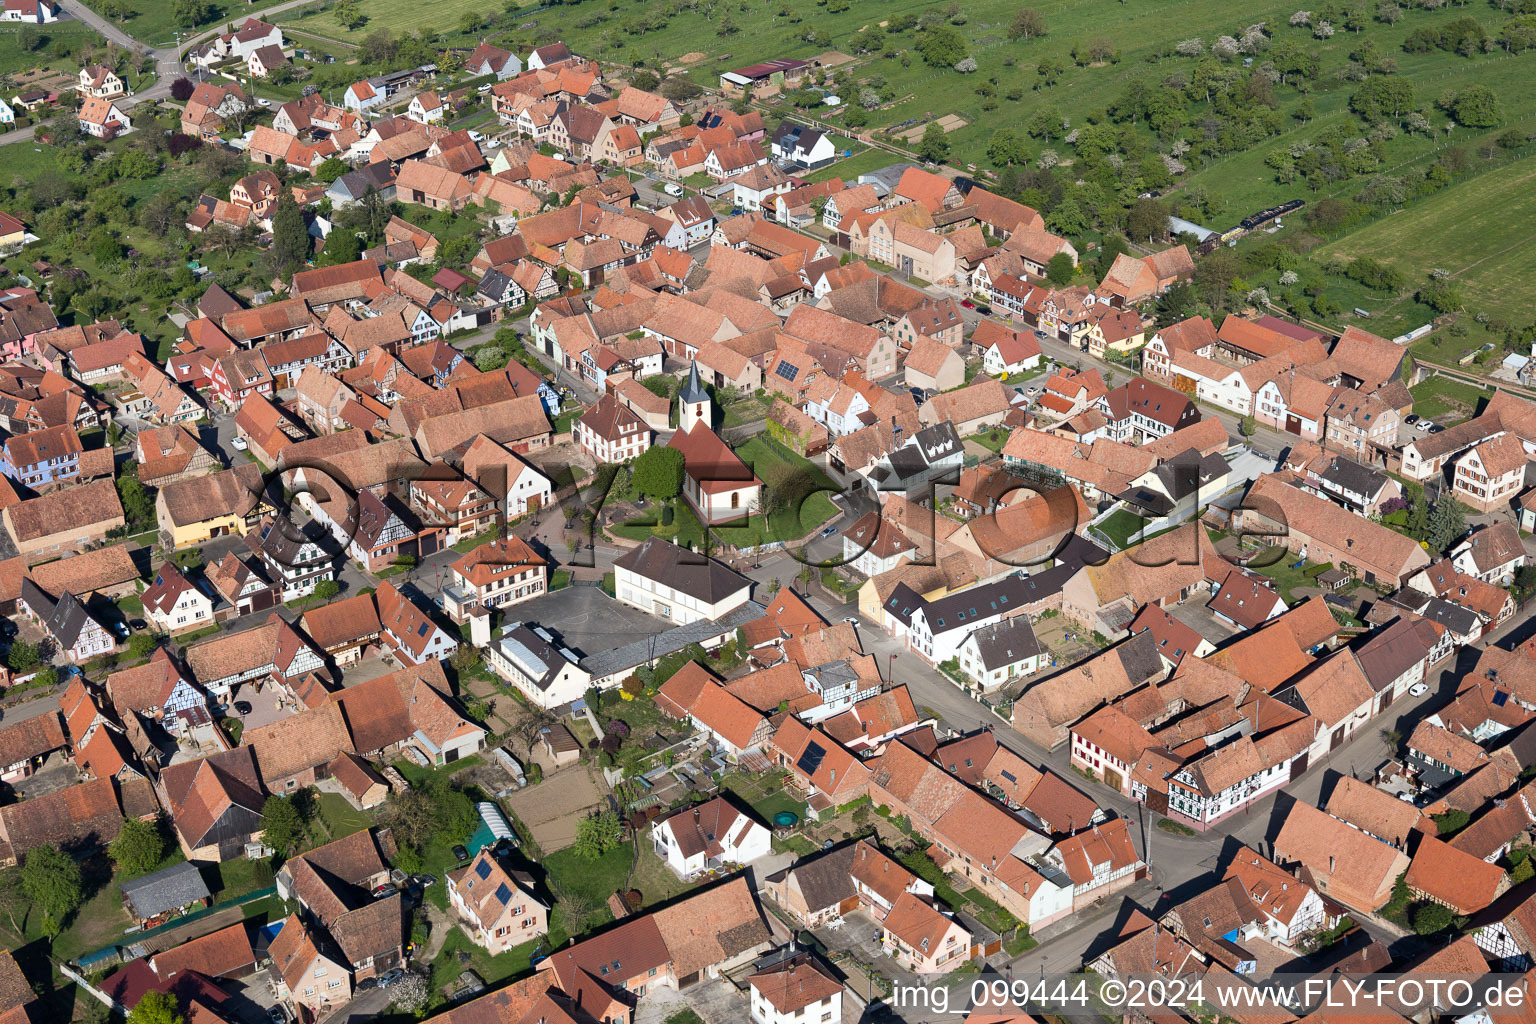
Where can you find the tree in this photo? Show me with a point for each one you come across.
(941, 47)
(190, 13)
(290, 238)
(156, 1008)
(934, 146)
(341, 247)
(1060, 269)
(139, 846)
(23, 656)
(596, 834)
(644, 80)
(1067, 218)
(1026, 24)
(326, 590)
(658, 472)
(283, 826)
(330, 169)
(138, 506)
(1248, 426)
(1446, 523)
(1147, 219)
(1476, 106)
(349, 13)
(52, 881)
(1049, 70)
(678, 88)
(141, 646)
(966, 65)
(1432, 918)
(182, 89)
(1007, 147)
(409, 994)
(530, 723)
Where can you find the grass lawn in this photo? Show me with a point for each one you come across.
(654, 879)
(459, 953)
(992, 440)
(399, 16)
(1479, 230)
(805, 486)
(1282, 569)
(766, 796)
(15, 58)
(593, 880)
(340, 817)
(464, 545)
(850, 169)
(231, 879)
(1121, 527)
(1447, 401)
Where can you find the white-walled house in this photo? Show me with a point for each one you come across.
(677, 584)
(709, 836)
(993, 655)
(497, 908)
(174, 605)
(796, 991)
(526, 657)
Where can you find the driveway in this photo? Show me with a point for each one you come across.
(716, 1000)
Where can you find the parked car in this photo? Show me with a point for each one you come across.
(277, 1015)
(238, 444)
(1425, 424)
(671, 188)
(425, 880)
(967, 303)
(1410, 419)
(388, 978)
(242, 707)
(387, 889)
(137, 624)
(829, 531)
(1418, 690)
(459, 853)
(121, 629)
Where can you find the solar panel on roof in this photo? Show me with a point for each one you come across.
(810, 758)
(787, 371)
(503, 893)
(1500, 698)
(483, 869)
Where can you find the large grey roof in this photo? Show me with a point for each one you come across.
(165, 890)
(639, 652)
(1006, 643)
(1353, 477)
(691, 572)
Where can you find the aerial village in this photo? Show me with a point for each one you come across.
(722, 594)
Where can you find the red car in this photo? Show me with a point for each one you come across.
(967, 303)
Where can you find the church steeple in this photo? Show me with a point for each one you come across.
(694, 402)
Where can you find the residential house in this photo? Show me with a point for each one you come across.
(1489, 475)
(497, 908)
(173, 605)
(708, 837)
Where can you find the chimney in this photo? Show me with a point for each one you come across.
(695, 815)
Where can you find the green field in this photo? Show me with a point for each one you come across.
(1447, 401)
(49, 40)
(1480, 231)
(399, 16)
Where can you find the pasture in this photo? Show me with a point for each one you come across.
(1480, 231)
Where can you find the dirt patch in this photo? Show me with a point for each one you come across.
(692, 58)
(551, 809)
(949, 122)
(832, 59)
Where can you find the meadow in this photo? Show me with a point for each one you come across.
(1479, 231)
